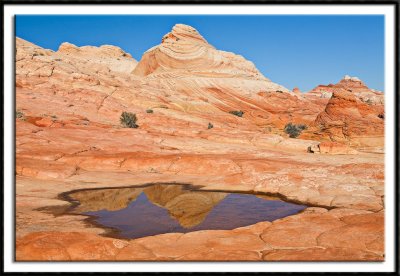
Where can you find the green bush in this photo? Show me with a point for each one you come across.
(210, 125)
(237, 113)
(149, 111)
(294, 130)
(128, 119)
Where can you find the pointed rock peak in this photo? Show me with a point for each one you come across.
(296, 90)
(351, 82)
(182, 32)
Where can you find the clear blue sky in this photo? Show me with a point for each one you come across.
(301, 51)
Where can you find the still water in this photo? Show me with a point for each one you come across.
(170, 208)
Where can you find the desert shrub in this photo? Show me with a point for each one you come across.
(294, 130)
(237, 113)
(210, 125)
(128, 119)
(302, 126)
(149, 111)
(279, 91)
(19, 114)
(382, 116)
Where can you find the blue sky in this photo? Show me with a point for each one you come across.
(301, 51)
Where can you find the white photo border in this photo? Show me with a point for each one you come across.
(387, 10)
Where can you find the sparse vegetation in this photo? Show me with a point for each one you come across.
(302, 126)
(128, 119)
(279, 91)
(210, 126)
(19, 115)
(237, 113)
(294, 130)
(149, 111)
(382, 116)
(368, 101)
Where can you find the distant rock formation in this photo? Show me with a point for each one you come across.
(110, 56)
(349, 120)
(296, 91)
(350, 84)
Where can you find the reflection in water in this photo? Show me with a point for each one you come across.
(161, 208)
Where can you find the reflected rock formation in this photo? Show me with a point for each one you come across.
(188, 207)
(104, 199)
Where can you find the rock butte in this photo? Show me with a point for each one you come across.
(69, 137)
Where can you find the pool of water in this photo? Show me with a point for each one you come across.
(170, 208)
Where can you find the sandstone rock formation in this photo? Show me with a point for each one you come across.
(349, 84)
(353, 114)
(349, 120)
(111, 57)
(69, 136)
(185, 52)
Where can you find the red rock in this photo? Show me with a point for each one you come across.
(320, 254)
(348, 120)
